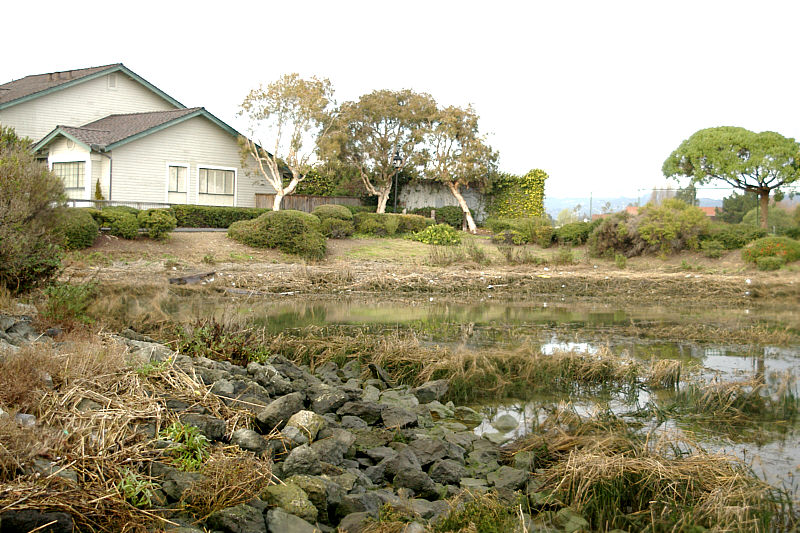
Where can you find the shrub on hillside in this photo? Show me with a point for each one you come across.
(293, 232)
(573, 233)
(770, 263)
(712, 248)
(534, 230)
(616, 235)
(332, 211)
(672, 226)
(778, 220)
(76, 228)
(157, 222)
(125, 225)
(200, 216)
(440, 234)
(783, 247)
(335, 228)
(29, 251)
(733, 236)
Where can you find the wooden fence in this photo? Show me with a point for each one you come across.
(304, 202)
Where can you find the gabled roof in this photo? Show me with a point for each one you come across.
(30, 87)
(115, 130)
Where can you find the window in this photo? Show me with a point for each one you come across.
(71, 173)
(215, 181)
(112, 81)
(177, 179)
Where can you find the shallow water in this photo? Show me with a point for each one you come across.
(773, 452)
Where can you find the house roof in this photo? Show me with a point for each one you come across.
(115, 130)
(34, 86)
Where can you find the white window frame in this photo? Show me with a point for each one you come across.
(215, 167)
(73, 157)
(188, 180)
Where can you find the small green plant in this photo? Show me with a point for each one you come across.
(76, 228)
(712, 248)
(98, 192)
(67, 303)
(483, 512)
(151, 368)
(621, 261)
(564, 256)
(238, 256)
(326, 211)
(136, 490)
(476, 253)
(770, 263)
(157, 222)
(445, 256)
(209, 259)
(214, 340)
(440, 235)
(521, 256)
(191, 448)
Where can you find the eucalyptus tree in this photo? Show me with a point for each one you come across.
(380, 135)
(458, 155)
(752, 162)
(295, 112)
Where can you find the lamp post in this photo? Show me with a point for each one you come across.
(397, 162)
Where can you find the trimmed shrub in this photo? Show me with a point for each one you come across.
(76, 228)
(388, 224)
(332, 211)
(199, 216)
(672, 226)
(770, 263)
(157, 222)
(440, 234)
(712, 248)
(289, 231)
(574, 233)
(335, 228)
(783, 247)
(733, 236)
(124, 225)
(535, 230)
(412, 223)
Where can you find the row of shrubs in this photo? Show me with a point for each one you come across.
(78, 228)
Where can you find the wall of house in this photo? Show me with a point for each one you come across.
(141, 167)
(63, 150)
(413, 196)
(81, 104)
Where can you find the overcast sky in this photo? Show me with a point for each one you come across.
(595, 93)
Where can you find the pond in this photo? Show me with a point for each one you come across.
(645, 333)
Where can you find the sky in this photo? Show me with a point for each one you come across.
(597, 94)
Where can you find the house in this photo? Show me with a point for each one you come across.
(109, 126)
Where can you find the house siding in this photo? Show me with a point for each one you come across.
(81, 104)
(140, 167)
(64, 151)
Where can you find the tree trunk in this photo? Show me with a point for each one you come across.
(464, 207)
(763, 198)
(276, 202)
(383, 198)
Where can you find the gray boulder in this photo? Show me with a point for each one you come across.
(291, 499)
(239, 519)
(30, 519)
(429, 450)
(277, 413)
(213, 428)
(507, 477)
(279, 521)
(333, 444)
(430, 391)
(418, 481)
(355, 522)
(397, 417)
(249, 440)
(325, 398)
(368, 411)
(447, 472)
(302, 460)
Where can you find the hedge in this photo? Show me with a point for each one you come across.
(199, 216)
(157, 222)
(76, 228)
(289, 231)
(389, 224)
(332, 211)
(449, 214)
(733, 236)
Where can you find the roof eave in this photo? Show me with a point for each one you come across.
(200, 112)
(114, 68)
(55, 133)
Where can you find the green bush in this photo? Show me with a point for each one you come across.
(615, 235)
(360, 209)
(620, 260)
(388, 224)
(332, 211)
(573, 233)
(76, 228)
(733, 236)
(672, 226)
(712, 248)
(67, 303)
(449, 214)
(535, 230)
(157, 222)
(125, 225)
(783, 247)
(199, 216)
(289, 231)
(106, 216)
(770, 263)
(335, 228)
(793, 233)
(29, 251)
(440, 234)
(778, 220)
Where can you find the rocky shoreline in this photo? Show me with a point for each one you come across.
(343, 442)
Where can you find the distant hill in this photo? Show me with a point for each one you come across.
(553, 206)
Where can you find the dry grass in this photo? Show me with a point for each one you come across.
(665, 373)
(100, 443)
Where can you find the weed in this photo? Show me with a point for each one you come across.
(67, 304)
(192, 446)
(171, 264)
(564, 256)
(520, 256)
(238, 256)
(136, 490)
(478, 512)
(209, 259)
(445, 256)
(222, 342)
(620, 260)
(476, 253)
(152, 368)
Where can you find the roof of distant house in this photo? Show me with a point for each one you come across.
(36, 85)
(115, 130)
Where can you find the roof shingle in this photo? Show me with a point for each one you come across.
(114, 128)
(29, 85)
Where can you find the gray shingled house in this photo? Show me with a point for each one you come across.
(108, 125)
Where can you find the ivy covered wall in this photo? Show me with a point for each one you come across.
(518, 196)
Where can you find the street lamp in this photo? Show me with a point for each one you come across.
(397, 162)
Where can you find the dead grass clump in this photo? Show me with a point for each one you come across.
(230, 480)
(758, 334)
(25, 376)
(665, 373)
